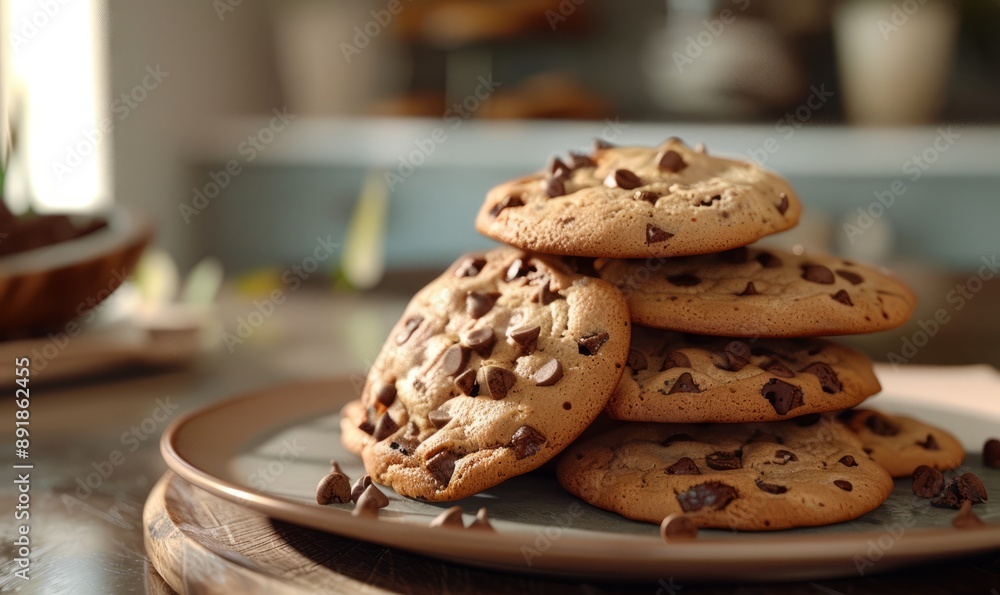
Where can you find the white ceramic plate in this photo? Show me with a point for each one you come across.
(269, 449)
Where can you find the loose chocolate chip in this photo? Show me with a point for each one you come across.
(517, 269)
(470, 267)
(685, 384)
(817, 273)
(783, 457)
(736, 255)
(768, 260)
(776, 368)
(466, 382)
(495, 381)
(360, 486)
(591, 344)
(478, 304)
(966, 519)
(683, 280)
(482, 522)
(578, 160)
(842, 297)
(783, 205)
(449, 518)
(844, 485)
(677, 438)
(808, 420)
(683, 466)
(759, 436)
(600, 145)
(442, 466)
(670, 161)
(622, 178)
(783, 396)
(750, 289)
(853, 278)
(385, 394)
(508, 202)
(929, 443)
(848, 461)
(553, 187)
(771, 488)
(927, 481)
(556, 166)
(549, 374)
(526, 335)
(713, 495)
(828, 378)
(409, 327)
(370, 502)
(966, 487)
(454, 360)
(439, 418)
(637, 361)
(991, 453)
(678, 527)
(481, 340)
(526, 442)
(675, 359)
(724, 461)
(385, 427)
(334, 488)
(650, 197)
(656, 235)
(880, 425)
(707, 203)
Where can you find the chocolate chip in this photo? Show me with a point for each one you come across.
(783, 396)
(545, 295)
(966, 487)
(650, 197)
(683, 466)
(482, 522)
(725, 360)
(817, 273)
(842, 297)
(685, 384)
(439, 418)
(677, 438)
(670, 161)
(449, 518)
(707, 203)
(442, 466)
(848, 461)
(526, 441)
(735, 256)
(360, 486)
(578, 160)
(385, 427)
(636, 361)
(991, 453)
(549, 374)
(481, 340)
(470, 267)
(508, 202)
(478, 304)
(828, 378)
(678, 527)
(724, 461)
(517, 269)
(927, 481)
(966, 519)
(783, 457)
(526, 335)
(930, 443)
(405, 446)
(844, 485)
(683, 280)
(759, 436)
(334, 488)
(555, 166)
(713, 495)
(853, 278)
(750, 289)
(454, 360)
(776, 368)
(768, 260)
(409, 327)
(880, 425)
(783, 205)
(367, 426)
(771, 488)
(385, 394)
(591, 344)
(656, 235)
(495, 381)
(466, 382)
(553, 187)
(675, 359)
(622, 178)
(370, 502)
(738, 349)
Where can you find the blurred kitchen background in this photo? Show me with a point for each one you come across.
(255, 133)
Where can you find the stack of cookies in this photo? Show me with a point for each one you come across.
(724, 403)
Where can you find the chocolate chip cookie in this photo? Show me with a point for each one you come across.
(637, 202)
(352, 419)
(495, 367)
(755, 292)
(747, 476)
(677, 378)
(901, 444)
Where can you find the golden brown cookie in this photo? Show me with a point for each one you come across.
(637, 202)
(352, 418)
(901, 444)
